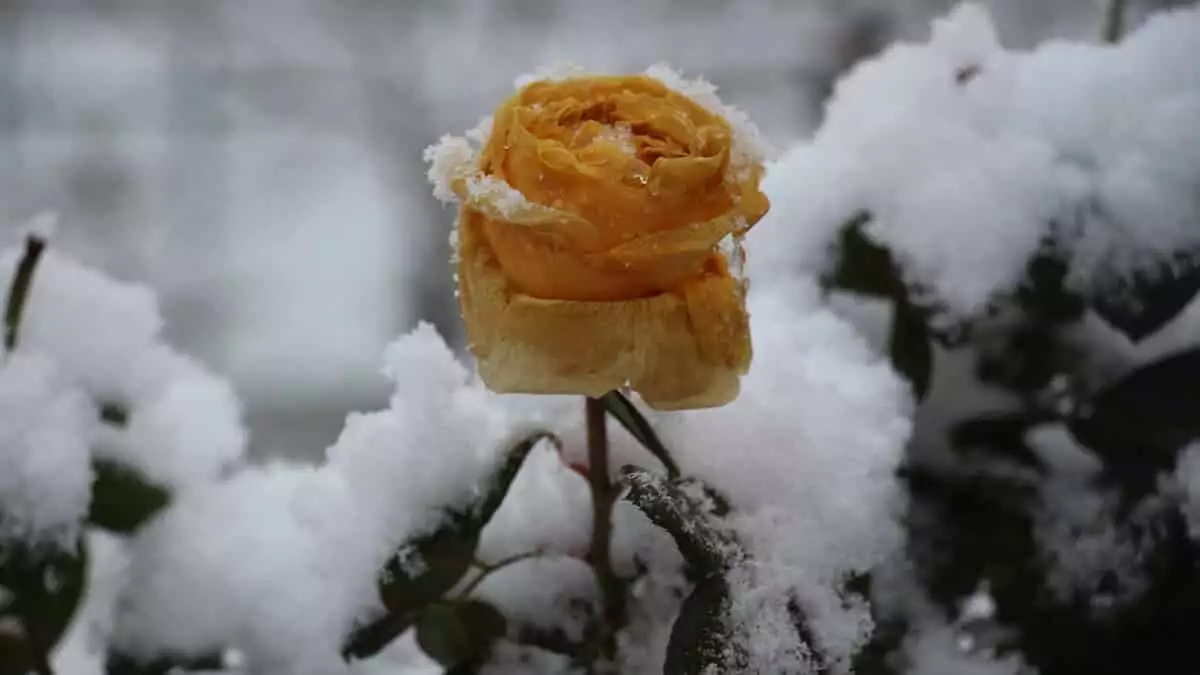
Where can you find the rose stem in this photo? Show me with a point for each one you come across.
(612, 595)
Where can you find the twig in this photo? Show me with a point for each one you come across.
(1114, 21)
(487, 569)
(611, 593)
(18, 292)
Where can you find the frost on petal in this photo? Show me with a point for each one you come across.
(45, 467)
(807, 455)
(450, 159)
(276, 562)
(749, 149)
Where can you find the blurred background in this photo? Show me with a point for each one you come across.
(259, 163)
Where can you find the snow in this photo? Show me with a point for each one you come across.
(95, 327)
(553, 512)
(45, 466)
(937, 650)
(1187, 478)
(814, 496)
(183, 427)
(969, 156)
(243, 546)
(104, 337)
(276, 562)
(749, 148)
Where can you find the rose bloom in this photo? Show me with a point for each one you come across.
(598, 225)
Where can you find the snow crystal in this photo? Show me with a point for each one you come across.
(453, 160)
(969, 157)
(450, 159)
(45, 468)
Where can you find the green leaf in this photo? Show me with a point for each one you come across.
(862, 265)
(909, 346)
(701, 641)
(623, 410)
(497, 487)
(369, 639)
(868, 268)
(460, 632)
(444, 558)
(441, 558)
(670, 505)
(122, 499)
(1151, 299)
(1145, 417)
(47, 588)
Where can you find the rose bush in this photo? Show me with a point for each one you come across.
(598, 241)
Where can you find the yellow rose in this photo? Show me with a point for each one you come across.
(589, 242)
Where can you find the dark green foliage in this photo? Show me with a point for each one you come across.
(460, 632)
(866, 268)
(46, 587)
(122, 499)
(701, 638)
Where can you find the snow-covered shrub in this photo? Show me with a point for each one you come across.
(1033, 219)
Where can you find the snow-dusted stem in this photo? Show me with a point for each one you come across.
(600, 555)
(1114, 20)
